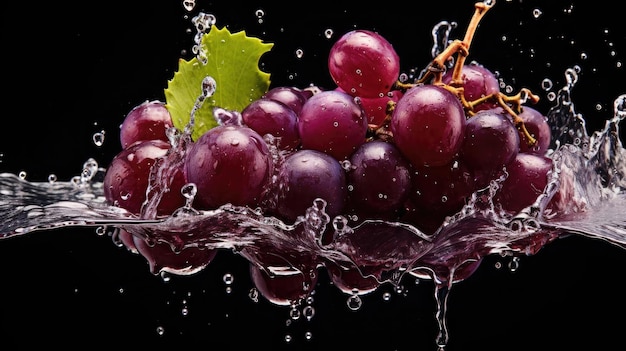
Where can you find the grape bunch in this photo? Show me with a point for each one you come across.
(371, 147)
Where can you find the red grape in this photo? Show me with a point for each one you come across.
(379, 180)
(228, 164)
(126, 178)
(442, 189)
(285, 289)
(290, 96)
(350, 280)
(266, 116)
(428, 125)
(526, 180)
(161, 257)
(332, 122)
(491, 141)
(363, 63)
(477, 82)
(146, 121)
(537, 125)
(306, 175)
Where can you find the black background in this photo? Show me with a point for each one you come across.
(74, 68)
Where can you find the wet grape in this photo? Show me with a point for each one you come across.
(146, 121)
(428, 125)
(306, 175)
(363, 63)
(127, 177)
(228, 164)
(266, 116)
(332, 122)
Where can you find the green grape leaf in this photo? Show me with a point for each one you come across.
(233, 62)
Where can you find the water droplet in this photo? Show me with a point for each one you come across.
(308, 312)
(308, 335)
(228, 278)
(101, 231)
(328, 33)
(354, 302)
(160, 330)
(537, 13)
(386, 296)
(52, 178)
(514, 264)
(189, 4)
(98, 138)
(546, 84)
(253, 294)
(259, 15)
(299, 53)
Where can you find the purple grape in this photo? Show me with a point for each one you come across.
(526, 180)
(491, 141)
(477, 82)
(379, 181)
(162, 258)
(428, 125)
(284, 289)
(126, 178)
(363, 63)
(350, 280)
(290, 96)
(146, 121)
(332, 122)
(228, 164)
(266, 116)
(442, 190)
(306, 175)
(537, 125)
